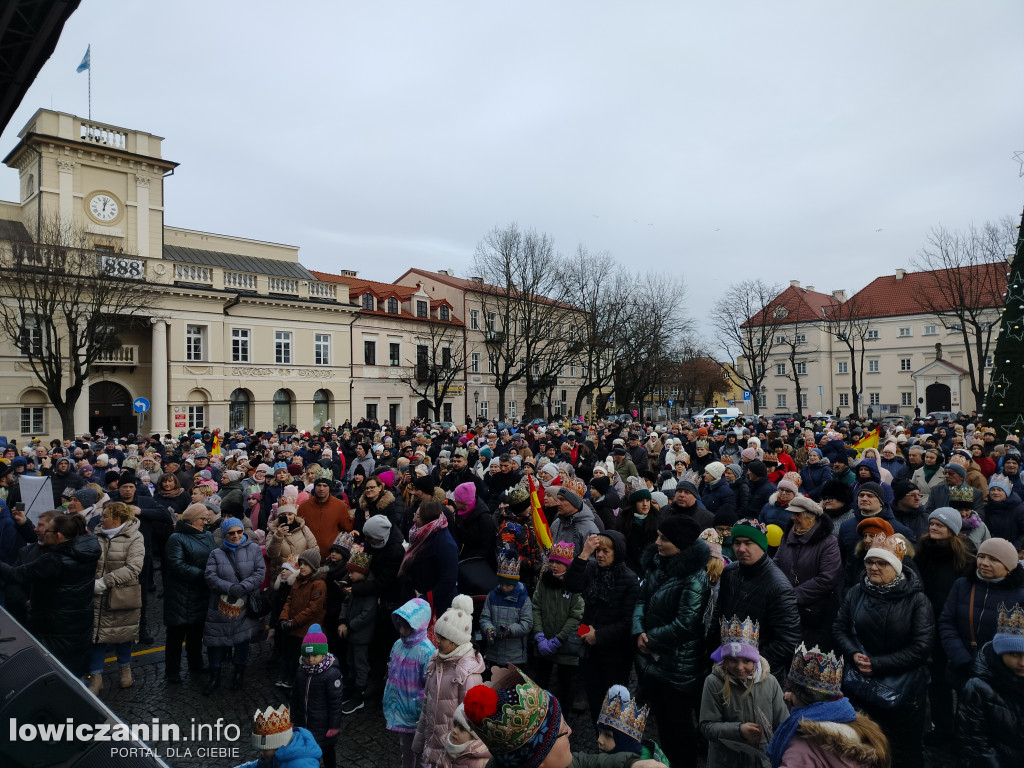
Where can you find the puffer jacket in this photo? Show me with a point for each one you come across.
(673, 599)
(291, 544)
(407, 670)
(221, 630)
(814, 567)
(447, 683)
(990, 721)
(510, 616)
(1005, 519)
(60, 584)
(775, 512)
(575, 528)
(121, 559)
(955, 624)
(762, 592)
(857, 744)
(717, 494)
(305, 603)
(813, 478)
(316, 698)
(557, 614)
(721, 721)
(301, 752)
(185, 592)
(359, 612)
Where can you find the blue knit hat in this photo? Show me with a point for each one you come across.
(229, 523)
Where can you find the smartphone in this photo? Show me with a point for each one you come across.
(19, 507)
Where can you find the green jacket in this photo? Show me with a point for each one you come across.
(557, 613)
(673, 601)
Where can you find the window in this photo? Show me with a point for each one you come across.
(904, 332)
(757, 341)
(511, 409)
(196, 416)
(483, 409)
(780, 401)
(492, 322)
(194, 342)
(780, 369)
(283, 347)
(282, 407)
(321, 349)
(803, 400)
(238, 409)
(490, 364)
(240, 345)
(572, 371)
(905, 364)
(930, 330)
(369, 352)
(32, 420)
(780, 339)
(421, 308)
(954, 328)
(762, 401)
(422, 362)
(474, 319)
(874, 398)
(474, 363)
(906, 398)
(31, 338)
(321, 408)
(844, 399)
(392, 306)
(801, 369)
(872, 335)
(988, 361)
(394, 354)
(801, 338)
(872, 366)
(368, 302)
(371, 411)
(843, 368)
(444, 313)
(446, 357)
(759, 369)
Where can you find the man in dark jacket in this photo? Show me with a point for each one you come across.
(754, 587)
(717, 492)
(870, 503)
(687, 502)
(907, 507)
(384, 545)
(760, 488)
(956, 476)
(63, 476)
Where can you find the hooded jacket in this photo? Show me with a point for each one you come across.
(575, 528)
(407, 670)
(62, 479)
(185, 592)
(386, 504)
(717, 494)
(447, 683)
(813, 565)
(858, 744)
(990, 722)
(955, 622)
(122, 557)
(301, 752)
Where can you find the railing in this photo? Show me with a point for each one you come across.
(282, 285)
(109, 137)
(126, 354)
(241, 280)
(192, 274)
(323, 290)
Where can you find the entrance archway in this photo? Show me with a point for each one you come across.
(321, 408)
(937, 397)
(238, 409)
(110, 408)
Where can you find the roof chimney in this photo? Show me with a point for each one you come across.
(900, 273)
(348, 273)
(794, 283)
(839, 295)
(447, 272)
(810, 288)
(477, 279)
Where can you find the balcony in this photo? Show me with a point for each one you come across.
(323, 290)
(283, 285)
(127, 355)
(241, 281)
(494, 337)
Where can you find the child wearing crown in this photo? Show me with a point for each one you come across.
(557, 613)
(507, 616)
(620, 727)
(742, 703)
(280, 745)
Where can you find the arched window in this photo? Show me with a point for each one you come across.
(238, 409)
(443, 312)
(368, 301)
(282, 407)
(321, 408)
(393, 306)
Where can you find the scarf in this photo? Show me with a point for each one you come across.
(112, 532)
(234, 547)
(454, 750)
(838, 711)
(881, 589)
(458, 652)
(320, 666)
(418, 539)
(929, 472)
(972, 522)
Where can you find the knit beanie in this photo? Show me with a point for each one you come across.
(315, 641)
(715, 469)
(891, 549)
(725, 515)
(949, 517)
(229, 523)
(748, 455)
(788, 485)
(873, 488)
(86, 496)
(958, 468)
(376, 530)
(424, 484)
(601, 484)
(689, 487)
(752, 529)
(1001, 550)
(465, 493)
(681, 530)
(638, 495)
(1000, 481)
(387, 478)
(572, 498)
(757, 468)
(874, 525)
(901, 488)
(311, 557)
(456, 624)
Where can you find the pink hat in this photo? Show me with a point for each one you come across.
(788, 485)
(748, 454)
(562, 552)
(387, 477)
(465, 493)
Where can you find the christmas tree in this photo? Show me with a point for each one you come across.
(1004, 403)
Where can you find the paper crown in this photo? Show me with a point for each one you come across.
(817, 672)
(621, 713)
(894, 544)
(635, 484)
(1009, 629)
(746, 631)
(689, 476)
(272, 728)
(962, 494)
(508, 566)
(517, 495)
(359, 561)
(562, 552)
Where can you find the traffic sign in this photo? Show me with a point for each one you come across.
(670, 401)
(140, 404)
(746, 394)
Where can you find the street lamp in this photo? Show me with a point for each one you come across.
(476, 403)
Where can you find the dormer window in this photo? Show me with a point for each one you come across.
(368, 302)
(443, 313)
(421, 308)
(392, 306)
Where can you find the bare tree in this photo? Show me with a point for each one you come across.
(696, 375)
(965, 275)
(845, 321)
(440, 360)
(63, 305)
(792, 339)
(747, 322)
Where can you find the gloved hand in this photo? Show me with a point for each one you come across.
(538, 638)
(490, 634)
(332, 732)
(287, 625)
(236, 591)
(553, 645)
(99, 587)
(544, 647)
(502, 632)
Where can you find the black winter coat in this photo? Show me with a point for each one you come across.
(476, 534)
(671, 609)
(954, 622)
(384, 566)
(186, 596)
(316, 700)
(762, 592)
(990, 722)
(934, 560)
(741, 493)
(717, 495)
(1005, 519)
(760, 492)
(59, 481)
(61, 585)
(434, 569)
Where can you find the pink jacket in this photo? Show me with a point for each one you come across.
(447, 683)
(475, 756)
(836, 745)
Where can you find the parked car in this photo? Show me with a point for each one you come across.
(726, 414)
(942, 416)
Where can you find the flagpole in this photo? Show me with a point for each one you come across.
(90, 82)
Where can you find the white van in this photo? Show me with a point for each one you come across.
(725, 414)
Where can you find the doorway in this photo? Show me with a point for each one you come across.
(937, 397)
(110, 409)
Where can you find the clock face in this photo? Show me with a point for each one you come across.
(104, 207)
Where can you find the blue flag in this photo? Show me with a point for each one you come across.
(85, 60)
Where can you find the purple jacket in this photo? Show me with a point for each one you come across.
(812, 564)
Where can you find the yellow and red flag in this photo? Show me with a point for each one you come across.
(540, 524)
(216, 443)
(870, 440)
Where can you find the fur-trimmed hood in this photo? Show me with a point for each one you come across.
(860, 741)
(386, 499)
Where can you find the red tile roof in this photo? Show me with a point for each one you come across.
(801, 305)
(357, 288)
(479, 286)
(888, 296)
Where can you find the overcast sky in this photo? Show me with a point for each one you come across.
(721, 140)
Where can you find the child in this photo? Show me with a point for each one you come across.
(316, 700)
(455, 668)
(356, 621)
(620, 727)
(303, 608)
(279, 746)
(556, 617)
(407, 671)
(336, 579)
(462, 747)
(507, 617)
(742, 701)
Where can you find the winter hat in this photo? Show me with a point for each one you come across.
(714, 541)
(456, 624)
(816, 451)
(788, 485)
(344, 542)
(725, 515)
(315, 641)
(740, 640)
(660, 499)
(272, 728)
(425, 484)
(311, 557)
(1001, 550)
(359, 562)
(838, 490)
(601, 484)
(263, 468)
(1009, 637)
(572, 498)
(229, 523)
(889, 548)
(748, 454)
(715, 469)
(949, 517)
(321, 480)
(286, 509)
(958, 468)
(753, 529)
(681, 530)
(638, 495)
(688, 486)
(901, 488)
(550, 469)
(387, 477)
(1000, 481)
(757, 469)
(874, 525)
(804, 504)
(873, 488)
(376, 530)
(562, 552)
(465, 493)
(87, 497)
(231, 475)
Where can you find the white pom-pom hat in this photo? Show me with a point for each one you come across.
(456, 624)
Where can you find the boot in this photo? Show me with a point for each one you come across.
(237, 677)
(145, 638)
(126, 677)
(354, 703)
(213, 683)
(96, 683)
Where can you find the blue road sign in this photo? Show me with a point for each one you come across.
(746, 394)
(670, 401)
(140, 404)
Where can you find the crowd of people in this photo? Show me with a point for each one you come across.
(826, 593)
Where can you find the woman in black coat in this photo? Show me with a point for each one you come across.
(990, 722)
(638, 521)
(430, 567)
(186, 595)
(738, 482)
(886, 627)
(610, 591)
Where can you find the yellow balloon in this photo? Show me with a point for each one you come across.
(774, 535)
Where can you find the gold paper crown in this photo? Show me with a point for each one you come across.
(735, 631)
(272, 728)
(1010, 621)
(961, 493)
(515, 720)
(508, 566)
(816, 671)
(895, 544)
(562, 551)
(621, 713)
(517, 494)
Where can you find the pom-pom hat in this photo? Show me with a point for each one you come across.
(456, 624)
(272, 728)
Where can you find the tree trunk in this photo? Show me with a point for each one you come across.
(66, 411)
(501, 403)
(855, 402)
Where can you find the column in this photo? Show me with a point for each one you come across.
(66, 189)
(142, 215)
(158, 388)
(82, 411)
